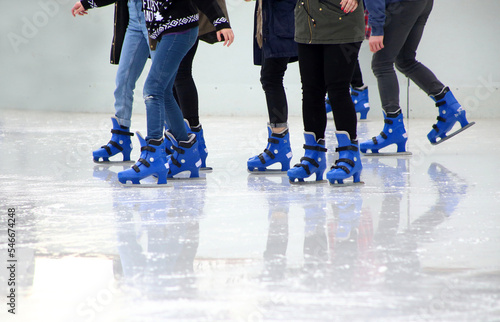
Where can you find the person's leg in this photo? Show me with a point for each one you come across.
(185, 91)
(357, 76)
(278, 149)
(313, 114)
(133, 57)
(400, 19)
(312, 76)
(135, 52)
(271, 77)
(339, 63)
(161, 106)
(406, 61)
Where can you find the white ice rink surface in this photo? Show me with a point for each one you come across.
(419, 241)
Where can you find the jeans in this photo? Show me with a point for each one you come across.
(161, 106)
(135, 53)
(271, 78)
(328, 68)
(405, 22)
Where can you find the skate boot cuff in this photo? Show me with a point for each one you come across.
(441, 95)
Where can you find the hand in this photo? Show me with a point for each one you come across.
(78, 9)
(376, 43)
(348, 5)
(228, 35)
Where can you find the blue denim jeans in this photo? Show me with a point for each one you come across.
(161, 106)
(135, 53)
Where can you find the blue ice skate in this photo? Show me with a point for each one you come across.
(278, 150)
(349, 161)
(202, 148)
(120, 143)
(393, 133)
(450, 111)
(152, 161)
(328, 105)
(359, 97)
(313, 161)
(185, 157)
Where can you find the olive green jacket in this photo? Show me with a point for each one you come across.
(323, 22)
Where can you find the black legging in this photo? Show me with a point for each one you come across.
(271, 78)
(357, 77)
(185, 91)
(328, 68)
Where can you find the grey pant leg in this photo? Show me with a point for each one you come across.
(403, 30)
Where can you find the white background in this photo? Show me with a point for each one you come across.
(53, 61)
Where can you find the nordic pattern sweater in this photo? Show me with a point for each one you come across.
(168, 16)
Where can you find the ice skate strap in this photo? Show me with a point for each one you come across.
(271, 140)
(342, 166)
(387, 121)
(305, 166)
(148, 148)
(347, 148)
(315, 148)
(143, 161)
(113, 143)
(382, 134)
(175, 162)
(122, 132)
(442, 119)
(269, 153)
(178, 150)
(438, 104)
(374, 139)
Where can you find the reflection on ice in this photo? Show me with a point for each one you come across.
(418, 241)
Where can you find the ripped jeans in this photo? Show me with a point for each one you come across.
(161, 106)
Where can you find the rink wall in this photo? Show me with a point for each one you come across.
(53, 61)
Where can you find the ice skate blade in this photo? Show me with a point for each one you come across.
(387, 154)
(301, 183)
(453, 134)
(268, 172)
(186, 177)
(206, 169)
(346, 184)
(146, 185)
(111, 162)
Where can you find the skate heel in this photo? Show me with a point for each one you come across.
(356, 177)
(319, 174)
(402, 146)
(462, 119)
(363, 113)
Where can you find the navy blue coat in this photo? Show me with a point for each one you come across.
(278, 29)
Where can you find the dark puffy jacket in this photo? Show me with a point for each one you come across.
(277, 29)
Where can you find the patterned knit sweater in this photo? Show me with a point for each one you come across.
(168, 16)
